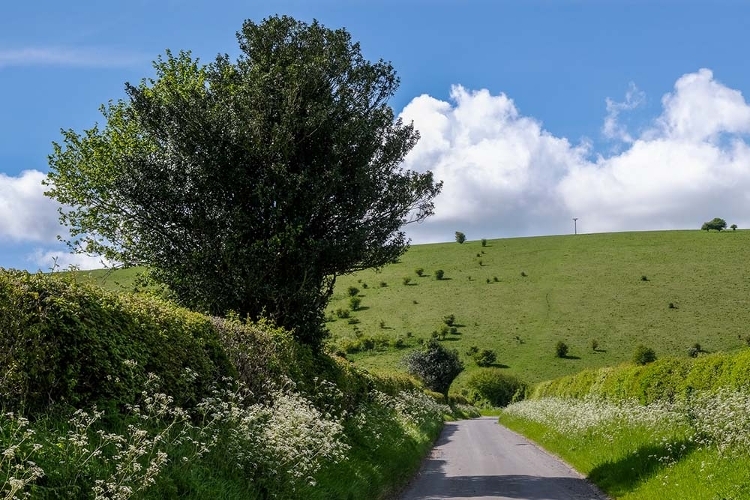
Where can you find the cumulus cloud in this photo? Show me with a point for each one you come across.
(612, 128)
(25, 213)
(61, 260)
(506, 176)
(69, 56)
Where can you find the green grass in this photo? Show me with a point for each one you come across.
(577, 288)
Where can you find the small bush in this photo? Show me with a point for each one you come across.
(561, 349)
(644, 355)
(419, 271)
(435, 365)
(481, 263)
(406, 280)
(382, 324)
(342, 313)
(488, 280)
(383, 284)
(398, 343)
(472, 351)
(594, 344)
(414, 302)
(460, 237)
(439, 274)
(693, 352)
(523, 274)
(644, 277)
(352, 291)
(453, 330)
(496, 387)
(353, 321)
(494, 278)
(449, 319)
(354, 303)
(364, 285)
(484, 242)
(733, 227)
(672, 306)
(485, 357)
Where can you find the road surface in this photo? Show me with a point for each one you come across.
(480, 459)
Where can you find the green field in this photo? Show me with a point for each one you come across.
(577, 288)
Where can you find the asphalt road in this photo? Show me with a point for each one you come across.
(480, 459)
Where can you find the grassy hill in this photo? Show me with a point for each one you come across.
(576, 288)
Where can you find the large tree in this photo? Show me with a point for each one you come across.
(248, 185)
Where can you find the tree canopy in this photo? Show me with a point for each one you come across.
(717, 224)
(435, 365)
(249, 185)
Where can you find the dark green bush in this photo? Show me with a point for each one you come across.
(435, 365)
(484, 242)
(644, 355)
(354, 303)
(561, 349)
(450, 319)
(496, 387)
(485, 357)
(352, 291)
(419, 271)
(342, 313)
(439, 274)
(406, 280)
(63, 342)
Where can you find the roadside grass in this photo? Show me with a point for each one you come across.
(575, 289)
(691, 449)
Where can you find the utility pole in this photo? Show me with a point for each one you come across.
(575, 225)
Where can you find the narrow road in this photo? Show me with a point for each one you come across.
(480, 459)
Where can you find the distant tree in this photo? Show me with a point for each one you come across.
(460, 237)
(249, 185)
(561, 349)
(435, 365)
(485, 357)
(717, 224)
(733, 227)
(484, 242)
(439, 274)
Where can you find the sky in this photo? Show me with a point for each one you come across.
(627, 115)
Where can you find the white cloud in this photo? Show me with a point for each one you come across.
(66, 56)
(25, 213)
(612, 128)
(59, 260)
(506, 176)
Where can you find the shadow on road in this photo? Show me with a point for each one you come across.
(512, 486)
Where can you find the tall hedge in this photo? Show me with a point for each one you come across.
(664, 379)
(63, 342)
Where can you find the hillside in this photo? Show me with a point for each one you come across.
(577, 288)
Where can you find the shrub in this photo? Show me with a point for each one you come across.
(383, 284)
(480, 263)
(354, 303)
(496, 387)
(364, 285)
(733, 227)
(594, 344)
(672, 306)
(693, 352)
(494, 278)
(460, 237)
(435, 365)
(342, 313)
(398, 343)
(449, 320)
(484, 242)
(406, 280)
(644, 277)
(382, 324)
(439, 274)
(644, 355)
(419, 271)
(485, 357)
(352, 291)
(472, 351)
(523, 274)
(453, 330)
(73, 343)
(353, 321)
(488, 280)
(561, 349)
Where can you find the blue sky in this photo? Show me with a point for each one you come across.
(630, 115)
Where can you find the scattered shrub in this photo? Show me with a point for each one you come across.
(460, 237)
(733, 227)
(364, 285)
(496, 387)
(406, 280)
(382, 324)
(486, 357)
(484, 242)
(353, 321)
(419, 271)
(414, 302)
(398, 343)
(342, 313)
(644, 355)
(354, 303)
(594, 344)
(480, 263)
(644, 277)
(472, 351)
(523, 274)
(494, 278)
(672, 306)
(561, 349)
(352, 291)
(488, 280)
(439, 274)
(449, 319)
(383, 284)
(453, 330)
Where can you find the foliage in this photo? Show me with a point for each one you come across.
(644, 355)
(435, 365)
(63, 342)
(594, 344)
(484, 242)
(406, 280)
(496, 387)
(249, 185)
(561, 349)
(449, 319)
(352, 291)
(354, 303)
(486, 357)
(733, 227)
(419, 271)
(460, 237)
(439, 274)
(716, 223)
